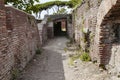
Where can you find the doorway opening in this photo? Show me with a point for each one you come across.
(60, 28)
(116, 33)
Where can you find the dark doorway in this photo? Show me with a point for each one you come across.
(116, 33)
(59, 29)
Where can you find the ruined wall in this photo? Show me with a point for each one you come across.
(19, 39)
(109, 31)
(102, 19)
(23, 33)
(6, 60)
(84, 23)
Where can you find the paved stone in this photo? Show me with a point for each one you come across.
(53, 64)
(48, 65)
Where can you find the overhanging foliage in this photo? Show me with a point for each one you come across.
(39, 7)
(28, 5)
(22, 4)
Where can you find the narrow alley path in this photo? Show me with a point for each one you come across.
(53, 64)
(48, 65)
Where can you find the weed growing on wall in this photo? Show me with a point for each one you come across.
(38, 51)
(15, 73)
(92, 37)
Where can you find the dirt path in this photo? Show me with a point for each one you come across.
(53, 64)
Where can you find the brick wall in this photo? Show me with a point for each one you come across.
(19, 39)
(109, 41)
(103, 27)
(24, 33)
(5, 56)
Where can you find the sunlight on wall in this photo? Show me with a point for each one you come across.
(63, 26)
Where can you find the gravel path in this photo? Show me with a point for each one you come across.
(53, 64)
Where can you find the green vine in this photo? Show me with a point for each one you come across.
(39, 7)
(29, 7)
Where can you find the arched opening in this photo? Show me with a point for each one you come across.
(109, 33)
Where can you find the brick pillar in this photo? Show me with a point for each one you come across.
(105, 45)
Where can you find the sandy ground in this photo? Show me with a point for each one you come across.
(53, 64)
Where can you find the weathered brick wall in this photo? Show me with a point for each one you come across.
(103, 29)
(109, 48)
(19, 39)
(101, 18)
(84, 23)
(5, 56)
(24, 33)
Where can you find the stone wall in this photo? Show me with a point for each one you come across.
(84, 23)
(19, 39)
(42, 27)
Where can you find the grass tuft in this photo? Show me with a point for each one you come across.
(85, 57)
